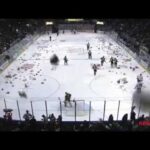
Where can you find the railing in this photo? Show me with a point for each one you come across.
(90, 109)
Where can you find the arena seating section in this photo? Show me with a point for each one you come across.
(55, 126)
(134, 31)
(13, 29)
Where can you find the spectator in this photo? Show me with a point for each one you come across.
(52, 118)
(86, 125)
(142, 118)
(111, 119)
(59, 120)
(8, 114)
(125, 120)
(81, 128)
(44, 119)
(91, 127)
(75, 128)
(27, 116)
(33, 123)
(133, 115)
(52, 125)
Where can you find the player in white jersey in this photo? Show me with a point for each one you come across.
(139, 87)
(140, 78)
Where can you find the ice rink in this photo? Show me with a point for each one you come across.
(33, 69)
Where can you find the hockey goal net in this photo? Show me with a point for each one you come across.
(77, 107)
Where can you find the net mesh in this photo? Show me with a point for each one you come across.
(80, 108)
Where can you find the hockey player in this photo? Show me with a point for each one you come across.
(94, 69)
(74, 31)
(57, 33)
(90, 54)
(139, 87)
(65, 60)
(67, 99)
(111, 61)
(26, 86)
(140, 78)
(54, 60)
(88, 46)
(102, 60)
(50, 38)
(115, 61)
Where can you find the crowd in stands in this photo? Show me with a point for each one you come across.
(79, 27)
(135, 32)
(15, 29)
(51, 123)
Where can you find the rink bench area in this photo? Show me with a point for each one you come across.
(72, 126)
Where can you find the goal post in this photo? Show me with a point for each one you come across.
(78, 106)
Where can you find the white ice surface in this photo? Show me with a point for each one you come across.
(76, 78)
